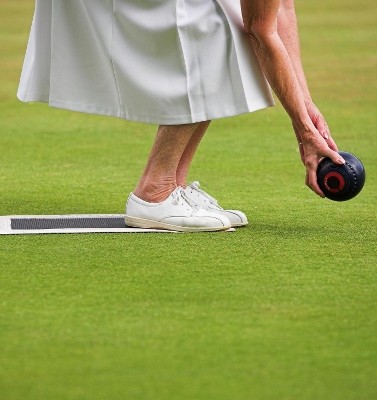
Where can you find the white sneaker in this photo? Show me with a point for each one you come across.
(176, 213)
(236, 218)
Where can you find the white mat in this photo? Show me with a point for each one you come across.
(73, 223)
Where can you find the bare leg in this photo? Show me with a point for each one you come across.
(160, 175)
(189, 152)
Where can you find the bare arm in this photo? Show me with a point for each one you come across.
(279, 56)
(288, 32)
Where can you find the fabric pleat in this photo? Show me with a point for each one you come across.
(153, 61)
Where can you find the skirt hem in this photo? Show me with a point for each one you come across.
(139, 117)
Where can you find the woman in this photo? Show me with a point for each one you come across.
(179, 64)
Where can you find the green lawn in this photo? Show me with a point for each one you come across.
(283, 309)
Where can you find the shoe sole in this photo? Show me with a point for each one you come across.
(239, 225)
(150, 224)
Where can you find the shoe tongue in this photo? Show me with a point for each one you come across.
(181, 192)
(196, 185)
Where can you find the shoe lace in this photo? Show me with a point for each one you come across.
(179, 195)
(196, 186)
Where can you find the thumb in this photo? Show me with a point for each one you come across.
(335, 157)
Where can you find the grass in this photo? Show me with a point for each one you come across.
(282, 309)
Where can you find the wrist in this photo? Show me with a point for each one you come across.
(304, 128)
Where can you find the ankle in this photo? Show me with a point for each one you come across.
(154, 193)
(182, 183)
(181, 178)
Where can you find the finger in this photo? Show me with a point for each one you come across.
(322, 127)
(312, 182)
(331, 143)
(335, 157)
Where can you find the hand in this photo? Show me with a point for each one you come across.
(313, 147)
(320, 123)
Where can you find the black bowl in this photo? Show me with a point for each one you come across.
(341, 182)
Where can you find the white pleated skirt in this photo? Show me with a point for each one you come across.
(153, 61)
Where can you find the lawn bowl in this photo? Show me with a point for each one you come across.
(341, 182)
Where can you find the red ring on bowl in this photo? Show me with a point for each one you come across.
(334, 182)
